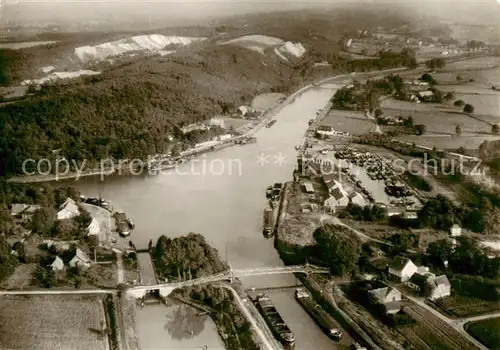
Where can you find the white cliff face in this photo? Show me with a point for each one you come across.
(260, 43)
(148, 43)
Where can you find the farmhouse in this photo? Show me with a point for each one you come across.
(401, 268)
(80, 259)
(438, 287)
(24, 211)
(57, 264)
(68, 210)
(338, 200)
(389, 297)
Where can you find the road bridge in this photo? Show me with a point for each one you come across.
(166, 288)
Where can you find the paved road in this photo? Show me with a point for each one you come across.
(462, 321)
(57, 292)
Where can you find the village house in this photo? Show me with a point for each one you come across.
(389, 297)
(308, 187)
(425, 94)
(438, 287)
(357, 199)
(24, 212)
(455, 230)
(69, 209)
(338, 200)
(80, 259)
(214, 122)
(57, 264)
(401, 269)
(192, 127)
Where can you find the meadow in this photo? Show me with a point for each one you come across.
(487, 332)
(52, 322)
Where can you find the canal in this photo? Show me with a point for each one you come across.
(222, 197)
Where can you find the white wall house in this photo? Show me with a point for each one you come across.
(338, 200)
(94, 227)
(68, 210)
(440, 287)
(402, 268)
(57, 265)
(80, 259)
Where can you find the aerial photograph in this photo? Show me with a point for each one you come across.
(249, 175)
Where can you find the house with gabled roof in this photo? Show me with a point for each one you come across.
(69, 209)
(401, 268)
(23, 211)
(440, 287)
(57, 264)
(338, 200)
(80, 259)
(389, 297)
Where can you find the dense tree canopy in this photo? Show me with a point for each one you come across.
(338, 248)
(186, 257)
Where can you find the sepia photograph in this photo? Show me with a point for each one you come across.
(249, 175)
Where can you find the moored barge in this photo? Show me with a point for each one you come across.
(278, 326)
(320, 316)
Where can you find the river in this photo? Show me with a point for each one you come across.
(225, 205)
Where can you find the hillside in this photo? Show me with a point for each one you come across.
(131, 108)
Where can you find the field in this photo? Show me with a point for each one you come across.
(465, 306)
(487, 332)
(52, 322)
(431, 332)
(353, 122)
(20, 278)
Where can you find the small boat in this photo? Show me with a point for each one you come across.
(269, 192)
(131, 223)
(271, 123)
(123, 229)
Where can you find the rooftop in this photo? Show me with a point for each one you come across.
(399, 262)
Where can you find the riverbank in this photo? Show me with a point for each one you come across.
(233, 328)
(266, 117)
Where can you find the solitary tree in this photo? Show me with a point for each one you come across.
(420, 129)
(458, 103)
(495, 129)
(468, 108)
(449, 96)
(378, 113)
(458, 130)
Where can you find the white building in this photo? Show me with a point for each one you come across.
(358, 199)
(455, 230)
(68, 210)
(338, 200)
(80, 259)
(326, 130)
(58, 264)
(94, 228)
(402, 268)
(215, 122)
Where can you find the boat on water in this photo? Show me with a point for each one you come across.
(269, 192)
(123, 228)
(320, 316)
(274, 320)
(268, 222)
(271, 123)
(130, 223)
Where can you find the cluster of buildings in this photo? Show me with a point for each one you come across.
(339, 198)
(326, 131)
(418, 278)
(79, 260)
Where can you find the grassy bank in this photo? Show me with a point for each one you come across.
(232, 325)
(487, 332)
